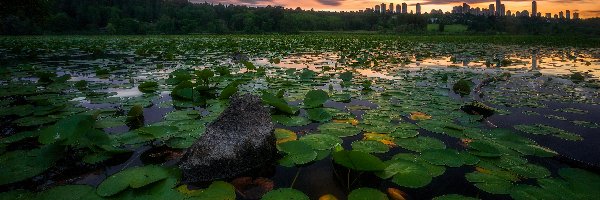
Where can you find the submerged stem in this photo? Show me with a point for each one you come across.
(296, 177)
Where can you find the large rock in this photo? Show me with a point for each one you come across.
(239, 140)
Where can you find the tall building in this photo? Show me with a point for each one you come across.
(534, 9)
(391, 7)
(548, 15)
(499, 11)
(398, 8)
(377, 8)
(576, 15)
(561, 15)
(383, 8)
(502, 10)
(568, 14)
(418, 8)
(492, 9)
(404, 8)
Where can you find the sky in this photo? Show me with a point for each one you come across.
(586, 8)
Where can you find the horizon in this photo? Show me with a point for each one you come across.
(585, 8)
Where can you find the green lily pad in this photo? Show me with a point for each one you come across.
(20, 165)
(484, 149)
(420, 143)
(315, 98)
(448, 157)
(135, 177)
(583, 183)
(367, 194)
(338, 129)
(298, 152)
(454, 197)
(319, 115)
(321, 141)
(278, 103)
(369, 146)
(357, 160)
(68, 192)
(218, 190)
(285, 193)
(290, 120)
(489, 183)
(540, 129)
(148, 87)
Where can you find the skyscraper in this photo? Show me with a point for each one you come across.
(561, 15)
(576, 15)
(377, 8)
(534, 9)
(398, 8)
(492, 9)
(548, 15)
(568, 14)
(383, 8)
(404, 8)
(499, 12)
(418, 8)
(391, 8)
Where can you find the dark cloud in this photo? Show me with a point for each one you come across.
(331, 2)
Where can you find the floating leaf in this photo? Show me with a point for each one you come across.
(285, 193)
(290, 120)
(357, 160)
(338, 129)
(20, 165)
(148, 87)
(278, 103)
(283, 135)
(420, 143)
(489, 183)
(319, 115)
(315, 98)
(321, 141)
(135, 177)
(298, 152)
(67, 192)
(366, 194)
(418, 116)
(370, 146)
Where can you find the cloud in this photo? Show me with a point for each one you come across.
(331, 2)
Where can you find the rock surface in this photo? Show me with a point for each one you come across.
(239, 140)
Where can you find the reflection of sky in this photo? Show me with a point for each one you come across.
(587, 8)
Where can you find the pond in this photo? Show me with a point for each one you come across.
(90, 117)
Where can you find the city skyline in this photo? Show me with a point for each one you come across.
(585, 8)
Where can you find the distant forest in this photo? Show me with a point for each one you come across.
(19, 17)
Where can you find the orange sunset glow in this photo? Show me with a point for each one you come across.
(586, 8)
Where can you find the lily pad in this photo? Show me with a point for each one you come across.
(315, 98)
(489, 183)
(135, 177)
(339, 129)
(321, 141)
(420, 143)
(285, 193)
(357, 160)
(367, 194)
(369, 146)
(319, 115)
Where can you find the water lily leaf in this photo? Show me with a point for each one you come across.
(420, 143)
(369, 146)
(76, 130)
(484, 149)
(135, 177)
(321, 141)
(339, 129)
(448, 157)
(357, 160)
(17, 195)
(343, 97)
(218, 190)
(419, 116)
(530, 171)
(540, 129)
(278, 103)
(290, 120)
(489, 183)
(315, 98)
(182, 115)
(367, 194)
(70, 192)
(157, 132)
(20, 165)
(319, 115)
(522, 191)
(298, 152)
(407, 174)
(229, 90)
(285, 193)
(404, 133)
(148, 87)
(583, 183)
(454, 197)
(283, 135)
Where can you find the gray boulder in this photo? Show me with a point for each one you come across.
(239, 140)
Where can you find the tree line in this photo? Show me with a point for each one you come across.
(18, 17)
